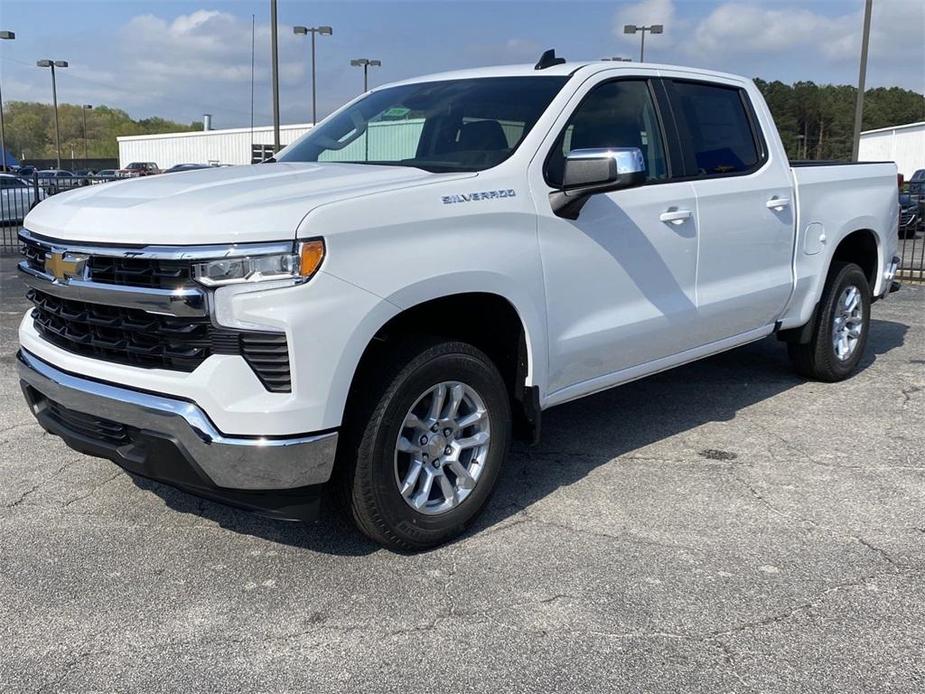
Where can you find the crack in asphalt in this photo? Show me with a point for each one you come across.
(807, 521)
(95, 488)
(39, 485)
(320, 626)
(908, 393)
(525, 516)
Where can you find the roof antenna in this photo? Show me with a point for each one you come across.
(548, 59)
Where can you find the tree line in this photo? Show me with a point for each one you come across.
(815, 121)
(30, 130)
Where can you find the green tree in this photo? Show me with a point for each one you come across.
(817, 121)
(30, 129)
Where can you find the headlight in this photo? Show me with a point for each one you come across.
(300, 265)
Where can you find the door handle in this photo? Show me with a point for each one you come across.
(777, 203)
(674, 216)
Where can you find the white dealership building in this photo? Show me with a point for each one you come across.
(904, 144)
(229, 146)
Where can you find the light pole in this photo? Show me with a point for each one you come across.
(54, 95)
(9, 35)
(652, 29)
(618, 59)
(862, 78)
(274, 64)
(324, 31)
(365, 63)
(84, 109)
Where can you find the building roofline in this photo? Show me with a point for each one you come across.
(226, 131)
(917, 124)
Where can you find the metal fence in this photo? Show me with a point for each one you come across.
(912, 242)
(19, 194)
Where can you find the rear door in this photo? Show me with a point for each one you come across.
(745, 208)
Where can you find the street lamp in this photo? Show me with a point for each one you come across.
(618, 59)
(366, 63)
(652, 29)
(8, 35)
(274, 69)
(324, 31)
(54, 95)
(862, 78)
(84, 109)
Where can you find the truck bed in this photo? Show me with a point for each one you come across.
(833, 199)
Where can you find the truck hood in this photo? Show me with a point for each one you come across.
(235, 204)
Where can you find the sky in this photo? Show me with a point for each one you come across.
(179, 59)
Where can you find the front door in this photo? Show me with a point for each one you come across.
(621, 279)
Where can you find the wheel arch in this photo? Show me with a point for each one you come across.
(859, 243)
(489, 320)
(862, 246)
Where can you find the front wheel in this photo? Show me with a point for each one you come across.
(840, 332)
(429, 437)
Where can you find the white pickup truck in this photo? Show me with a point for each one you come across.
(400, 292)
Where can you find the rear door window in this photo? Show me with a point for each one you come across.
(717, 125)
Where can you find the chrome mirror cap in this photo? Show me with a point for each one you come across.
(592, 171)
(626, 160)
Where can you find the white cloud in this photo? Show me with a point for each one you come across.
(514, 50)
(737, 28)
(741, 28)
(207, 45)
(753, 37)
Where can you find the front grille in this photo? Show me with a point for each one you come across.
(126, 336)
(90, 425)
(140, 272)
(34, 254)
(150, 340)
(138, 338)
(156, 273)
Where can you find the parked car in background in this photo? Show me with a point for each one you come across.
(51, 174)
(916, 184)
(186, 167)
(105, 175)
(386, 318)
(26, 171)
(55, 180)
(139, 168)
(17, 197)
(910, 219)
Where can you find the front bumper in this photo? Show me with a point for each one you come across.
(173, 441)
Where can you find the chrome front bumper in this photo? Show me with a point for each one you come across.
(158, 423)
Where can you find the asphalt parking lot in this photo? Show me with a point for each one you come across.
(723, 527)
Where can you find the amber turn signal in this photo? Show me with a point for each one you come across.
(311, 253)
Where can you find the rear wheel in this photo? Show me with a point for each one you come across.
(425, 445)
(842, 322)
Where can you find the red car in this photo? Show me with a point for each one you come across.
(139, 168)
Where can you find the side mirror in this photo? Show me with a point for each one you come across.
(592, 171)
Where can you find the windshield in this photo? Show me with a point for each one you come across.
(458, 125)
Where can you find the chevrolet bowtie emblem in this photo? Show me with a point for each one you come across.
(65, 266)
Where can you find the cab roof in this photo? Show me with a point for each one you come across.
(588, 67)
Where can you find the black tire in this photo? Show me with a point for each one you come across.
(817, 359)
(366, 465)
